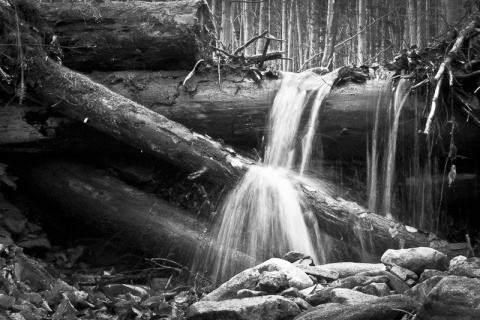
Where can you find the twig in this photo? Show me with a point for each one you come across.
(224, 52)
(421, 83)
(192, 72)
(236, 52)
(467, 75)
(434, 106)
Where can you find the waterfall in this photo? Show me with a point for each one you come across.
(264, 216)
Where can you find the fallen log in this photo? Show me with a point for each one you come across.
(94, 201)
(104, 35)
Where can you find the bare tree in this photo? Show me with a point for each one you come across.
(331, 31)
(362, 37)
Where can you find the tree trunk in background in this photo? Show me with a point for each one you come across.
(216, 23)
(412, 23)
(428, 21)
(284, 34)
(454, 11)
(362, 37)
(299, 35)
(248, 27)
(113, 36)
(331, 31)
(290, 53)
(226, 30)
(262, 26)
(421, 25)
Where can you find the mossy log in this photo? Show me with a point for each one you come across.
(133, 35)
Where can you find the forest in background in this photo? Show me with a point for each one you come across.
(353, 32)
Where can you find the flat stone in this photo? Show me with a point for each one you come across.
(415, 259)
(347, 269)
(347, 296)
(319, 272)
(403, 273)
(256, 308)
(467, 268)
(453, 298)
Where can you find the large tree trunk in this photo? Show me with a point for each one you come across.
(131, 35)
(94, 201)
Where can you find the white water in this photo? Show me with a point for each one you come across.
(264, 216)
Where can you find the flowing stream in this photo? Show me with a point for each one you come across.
(265, 216)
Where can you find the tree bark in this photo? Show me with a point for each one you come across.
(362, 37)
(94, 201)
(331, 32)
(131, 35)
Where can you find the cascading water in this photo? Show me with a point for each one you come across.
(264, 216)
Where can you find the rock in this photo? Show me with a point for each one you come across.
(468, 268)
(292, 292)
(394, 283)
(256, 308)
(347, 296)
(15, 226)
(305, 262)
(456, 260)
(453, 298)
(403, 273)
(415, 259)
(410, 282)
(6, 302)
(293, 256)
(302, 304)
(272, 282)
(296, 277)
(359, 281)
(391, 307)
(347, 269)
(245, 293)
(319, 272)
(429, 273)
(312, 290)
(248, 279)
(375, 289)
(421, 290)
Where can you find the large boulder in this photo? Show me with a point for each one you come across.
(421, 290)
(390, 307)
(249, 279)
(453, 298)
(415, 259)
(256, 308)
(468, 268)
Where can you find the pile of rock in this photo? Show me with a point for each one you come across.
(411, 283)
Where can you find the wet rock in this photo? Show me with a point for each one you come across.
(453, 298)
(421, 290)
(304, 262)
(319, 272)
(347, 269)
(293, 256)
(394, 282)
(245, 293)
(273, 282)
(347, 296)
(302, 304)
(415, 259)
(390, 307)
(429, 273)
(246, 279)
(359, 281)
(256, 308)
(456, 260)
(403, 273)
(375, 289)
(411, 282)
(296, 277)
(468, 268)
(312, 290)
